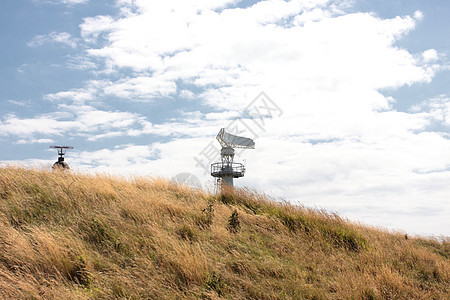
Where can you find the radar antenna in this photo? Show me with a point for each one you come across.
(61, 152)
(226, 170)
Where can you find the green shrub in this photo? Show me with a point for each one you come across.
(215, 282)
(186, 233)
(233, 222)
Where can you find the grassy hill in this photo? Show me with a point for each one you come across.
(69, 236)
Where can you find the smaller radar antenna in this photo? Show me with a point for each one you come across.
(61, 152)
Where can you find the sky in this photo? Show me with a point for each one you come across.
(348, 101)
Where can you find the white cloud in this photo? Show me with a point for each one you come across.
(233, 52)
(186, 94)
(73, 1)
(80, 62)
(18, 103)
(34, 141)
(44, 125)
(418, 15)
(115, 159)
(79, 96)
(142, 88)
(27, 163)
(67, 2)
(93, 27)
(438, 109)
(157, 159)
(430, 55)
(54, 37)
(91, 118)
(71, 121)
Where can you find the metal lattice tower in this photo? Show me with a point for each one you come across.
(61, 164)
(226, 170)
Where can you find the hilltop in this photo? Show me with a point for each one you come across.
(73, 236)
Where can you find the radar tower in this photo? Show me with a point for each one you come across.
(226, 170)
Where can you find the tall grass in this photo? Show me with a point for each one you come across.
(73, 236)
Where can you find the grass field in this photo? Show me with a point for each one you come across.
(73, 236)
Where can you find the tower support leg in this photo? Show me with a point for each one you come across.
(228, 180)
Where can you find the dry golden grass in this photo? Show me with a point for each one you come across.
(69, 236)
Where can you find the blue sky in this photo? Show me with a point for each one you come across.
(361, 91)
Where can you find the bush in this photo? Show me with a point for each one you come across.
(233, 222)
(215, 282)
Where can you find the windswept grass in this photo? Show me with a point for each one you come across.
(69, 236)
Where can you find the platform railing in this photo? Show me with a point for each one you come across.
(233, 169)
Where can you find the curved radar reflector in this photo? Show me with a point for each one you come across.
(230, 140)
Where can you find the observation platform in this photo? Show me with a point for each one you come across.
(234, 170)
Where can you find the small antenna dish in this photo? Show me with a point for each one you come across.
(227, 170)
(61, 152)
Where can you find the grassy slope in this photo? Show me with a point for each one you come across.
(67, 236)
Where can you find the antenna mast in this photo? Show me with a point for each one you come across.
(61, 152)
(226, 170)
